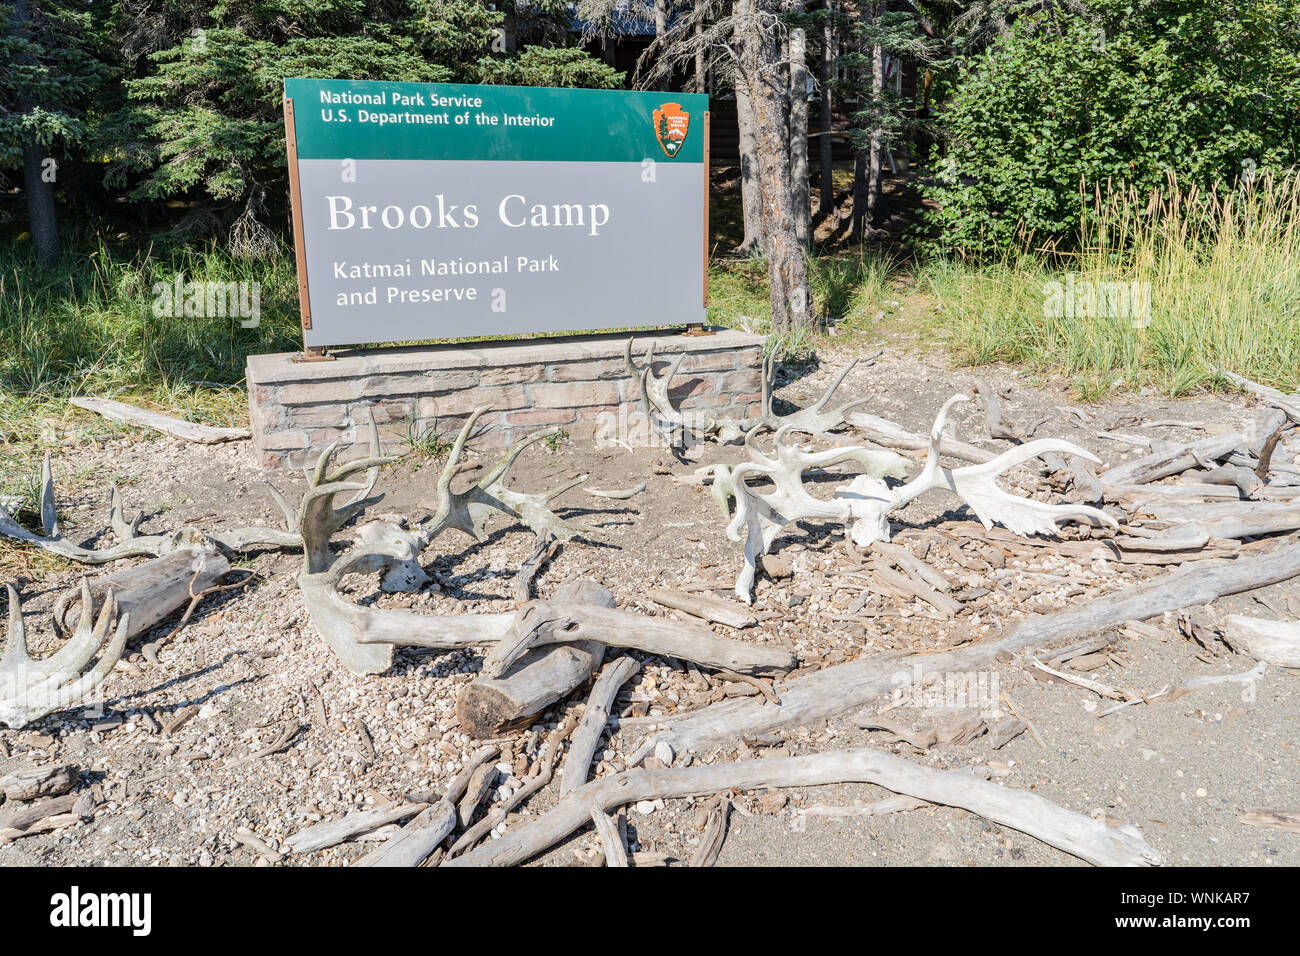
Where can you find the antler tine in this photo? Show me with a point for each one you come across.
(86, 640)
(822, 402)
(457, 449)
(16, 655)
(125, 530)
(112, 653)
(637, 374)
(49, 517)
(286, 509)
(930, 476)
(376, 452)
(507, 460)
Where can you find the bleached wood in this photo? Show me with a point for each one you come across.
(610, 841)
(537, 679)
(562, 621)
(577, 762)
(1067, 830)
(151, 592)
(176, 427)
(843, 687)
(320, 836)
(707, 607)
(1276, 642)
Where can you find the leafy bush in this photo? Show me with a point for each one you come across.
(1127, 94)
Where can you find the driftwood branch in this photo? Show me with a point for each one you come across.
(573, 772)
(1067, 830)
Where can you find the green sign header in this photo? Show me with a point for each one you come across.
(364, 119)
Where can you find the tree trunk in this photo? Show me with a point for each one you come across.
(859, 194)
(799, 188)
(877, 137)
(700, 76)
(827, 207)
(37, 186)
(751, 198)
(661, 27)
(761, 69)
(40, 204)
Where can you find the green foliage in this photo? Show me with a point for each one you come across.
(1129, 93)
(88, 327)
(550, 66)
(51, 70)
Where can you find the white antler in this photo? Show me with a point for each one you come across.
(760, 516)
(30, 688)
(867, 501)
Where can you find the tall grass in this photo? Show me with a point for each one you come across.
(88, 327)
(1223, 273)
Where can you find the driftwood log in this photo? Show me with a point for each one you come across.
(537, 679)
(151, 592)
(844, 687)
(1072, 832)
(563, 621)
(176, 427)
(573, 771)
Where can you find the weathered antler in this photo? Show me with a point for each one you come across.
(974, 484)
(130, 543)
(653, 392)
(364, 637)
(760, 516)
(469, 510)
(815, 419)
(30, 689)
(866, 502)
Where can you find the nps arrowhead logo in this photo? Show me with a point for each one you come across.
(671, 124)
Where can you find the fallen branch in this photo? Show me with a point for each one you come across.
(573, 772)
(1072, 832)
(176, 427)
(560, 621)
(610, 841)
(332, 832)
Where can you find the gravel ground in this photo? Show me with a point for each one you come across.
(248, 668)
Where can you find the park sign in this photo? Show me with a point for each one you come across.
(430, 210)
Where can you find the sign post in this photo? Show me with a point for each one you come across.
(428, 211)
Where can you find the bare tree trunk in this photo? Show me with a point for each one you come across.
(38, 186)
(761, 69)
(859, 194)
(700, 78)
(751, 198)
(661, 27)
(799, 189)
(877, 137)
(827, 206)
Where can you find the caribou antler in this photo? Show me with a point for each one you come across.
(671, 422)
(30, 689)
(760, 516)
(974, 484)
(815, 419)
(653, 391)
(469, 510)
(364, 637)
(866, 502)
(130, 543)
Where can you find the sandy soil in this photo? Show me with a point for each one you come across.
(249, 664)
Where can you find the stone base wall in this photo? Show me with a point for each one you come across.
(579, 383)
